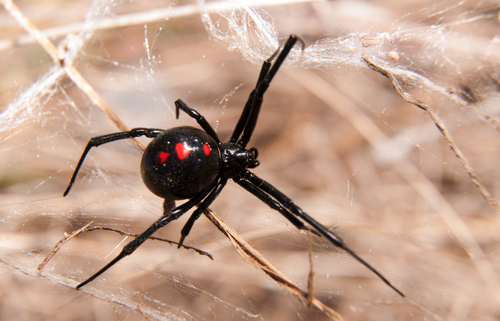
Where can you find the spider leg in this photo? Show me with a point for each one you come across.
(238, 129)
(104, 139)
(257, 96)
(179, 104)
(164, 220)
(268, 200)
(286, 202)
(202, 207)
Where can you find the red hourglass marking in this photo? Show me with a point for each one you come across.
(182, 151)
(162, 157)
(206, 149)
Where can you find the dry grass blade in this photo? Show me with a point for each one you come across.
(60, 58)
(398, 85)
(310, 279)
(46, 44)
(254, 257)
(135, 18)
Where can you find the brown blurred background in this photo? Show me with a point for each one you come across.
(339, 140)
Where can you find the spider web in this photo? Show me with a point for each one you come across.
(385, 127)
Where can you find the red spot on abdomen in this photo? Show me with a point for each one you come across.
(182, 151)
(162, 157)
(206, 149)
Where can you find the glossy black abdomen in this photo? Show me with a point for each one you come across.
(180, 163)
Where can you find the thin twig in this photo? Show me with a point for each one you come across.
(61, 242)
(153, 238)
(87, 228)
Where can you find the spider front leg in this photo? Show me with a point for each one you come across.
(250, 114)
(104, 139)
(179, 104)
(238, 129)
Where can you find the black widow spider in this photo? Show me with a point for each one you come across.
(189, 163)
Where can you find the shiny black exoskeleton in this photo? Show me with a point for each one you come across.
(193, 164)
(180, 163)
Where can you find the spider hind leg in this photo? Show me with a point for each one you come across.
(168, 216)
(275, 199)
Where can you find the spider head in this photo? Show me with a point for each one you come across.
(235, 159)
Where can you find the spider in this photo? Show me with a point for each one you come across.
(189, 163)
